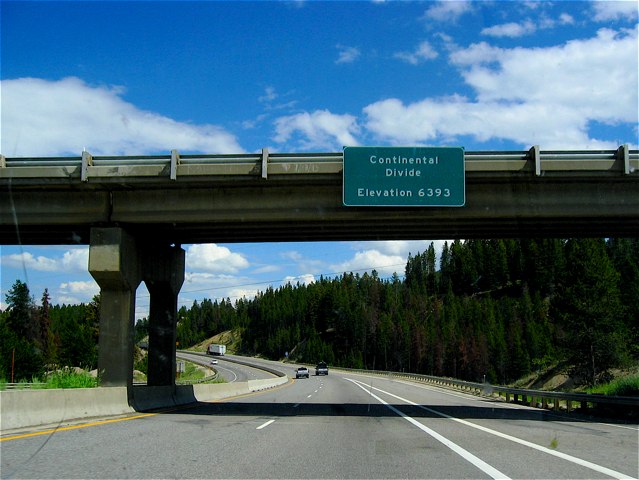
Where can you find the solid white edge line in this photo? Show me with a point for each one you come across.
(264, 425)
(503, 405)
(564, 456)
(465, 454)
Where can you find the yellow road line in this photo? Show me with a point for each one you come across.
(135, 417)
(75, 427)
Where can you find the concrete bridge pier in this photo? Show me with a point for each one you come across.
(114, 263)
(163, 274)
(118, 264)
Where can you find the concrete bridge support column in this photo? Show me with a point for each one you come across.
(114, 263)
(163, 273)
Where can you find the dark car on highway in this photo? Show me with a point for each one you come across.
(321, 369)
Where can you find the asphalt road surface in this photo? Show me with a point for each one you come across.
(227, 369)
(335, 426)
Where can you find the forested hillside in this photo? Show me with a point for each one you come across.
(37, 338)
(494, 309)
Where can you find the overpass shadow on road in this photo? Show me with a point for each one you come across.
(493, 410)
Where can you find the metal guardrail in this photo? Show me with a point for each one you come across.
(171, 167)
(20, 386)
(209, 378)
(534, 398)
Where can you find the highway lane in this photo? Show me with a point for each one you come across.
(338, 426)
(231, 372)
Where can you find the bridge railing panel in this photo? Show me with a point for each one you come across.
(174, 166)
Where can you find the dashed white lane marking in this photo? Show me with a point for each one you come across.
(264, 425)
(309, 396)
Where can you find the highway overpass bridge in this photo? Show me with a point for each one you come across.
(136, 212)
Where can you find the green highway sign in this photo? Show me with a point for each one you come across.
(404, 177)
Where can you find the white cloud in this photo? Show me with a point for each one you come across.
(302, 263)
(292, 255)
(434, 120)
(318, 130)
(29, 261)
(209, 257)
(266, 269)
(42, 117)
(402, 248)
(269, 95)
(201, 281)
(368, 260)
(583, 81)
(199, 285)
(347, 54)
(566, 19)
(511, 30)
(593, 76)
(72, 293)
(424, 51)
(399, 247)
(301, 279)
(75, 260)
(88, 288)
(606, 10)
(448, 10)
(238, 293)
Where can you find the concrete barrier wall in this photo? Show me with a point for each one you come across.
(27, 408)
(257, 385)
(30, 408)
(217, 391)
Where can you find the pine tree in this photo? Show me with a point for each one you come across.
(47, 339)
(20, 345)
(589, 307)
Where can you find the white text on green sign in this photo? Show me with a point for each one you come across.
(406, 176)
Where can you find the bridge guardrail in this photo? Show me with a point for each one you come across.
(85, 167)
(534, 398)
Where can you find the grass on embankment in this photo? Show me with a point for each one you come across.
(194, 372)
(59, 379)
(623, 387)
(69, 378)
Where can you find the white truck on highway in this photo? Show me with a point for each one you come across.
(216, 349)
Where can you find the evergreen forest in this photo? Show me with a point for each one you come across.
(491, 310)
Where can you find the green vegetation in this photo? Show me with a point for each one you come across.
(490, 309)
(193, 373)
(627, 386)
(494, 309)
(66, 378)
(34, 339)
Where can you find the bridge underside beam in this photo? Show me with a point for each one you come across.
(280, 211)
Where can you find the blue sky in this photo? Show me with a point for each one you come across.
(120, 78)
